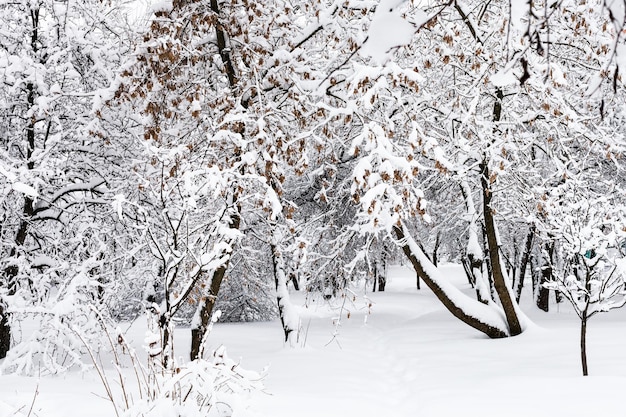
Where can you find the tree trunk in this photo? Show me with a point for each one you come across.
(382, 281)
(473, 260)
(488, 282)
(294, 280)
(583, 341)
(223, 48)
(436, 248)
(285, 308)
(535, 272)
(523, 263)
(375, 279)
(583, 323)
(543, 294)
(11, 272)
(382, 270)
(423, 266)
(499, 280)
(468, 271)
(198, 331)
(5, 332)
(512, 265)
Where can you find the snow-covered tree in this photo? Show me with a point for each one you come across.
(53, 56)
(590, 229)
(214, 91)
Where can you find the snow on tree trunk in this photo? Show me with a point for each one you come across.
(487, 319)
(288, 316)
(202, 320)
(498, 272)
(543, 293)
(519, 282)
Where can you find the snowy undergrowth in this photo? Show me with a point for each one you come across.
(128, 371)
(214, 387)
(410, 358)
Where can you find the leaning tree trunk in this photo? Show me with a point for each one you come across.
(455, 302)
(201, 326)
(499, 281)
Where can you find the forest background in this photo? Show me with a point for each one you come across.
(208, 160)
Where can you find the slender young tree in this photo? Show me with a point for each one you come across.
(590, 228)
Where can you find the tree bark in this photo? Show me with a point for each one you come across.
(382, 281)
(198, 332)
(375, 281)
(5, 332)
(499, 280)
(290, 328)
(583, 341)
(475, 322)
(436, 248)
(523, 263)
(543, 294)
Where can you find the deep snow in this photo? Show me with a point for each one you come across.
(403, 356)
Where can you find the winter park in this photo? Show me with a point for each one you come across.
(312, 208)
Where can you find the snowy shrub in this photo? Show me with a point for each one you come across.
(217, 386)
(144, 385)
(56, 345)
(56, 326)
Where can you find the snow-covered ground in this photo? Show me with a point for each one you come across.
(403, 356)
